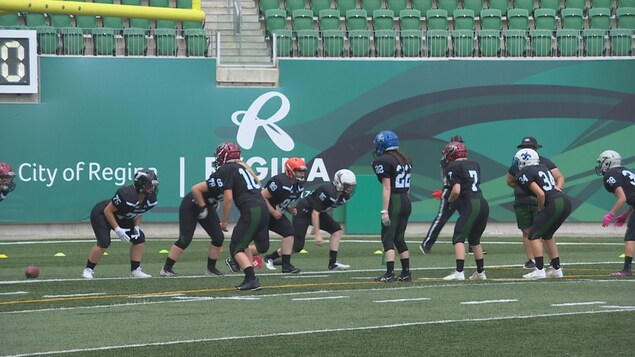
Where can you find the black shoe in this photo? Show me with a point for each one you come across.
(213, 272)
(530, 264)
(277, 261)
(424, 249)
(290, 269)
(386, 278)
(404, 276)
(249, 285)
(167, 272)
(231, 263)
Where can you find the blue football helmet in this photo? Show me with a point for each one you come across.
(385, 140)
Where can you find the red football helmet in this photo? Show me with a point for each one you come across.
(6, 177)
(453, 151)
(225, 152)
(295, 168)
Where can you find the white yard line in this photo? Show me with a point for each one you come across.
(321, 298)
(400, 300)
(487, 301)
(580, 303)
(15, 293)
(72, 295)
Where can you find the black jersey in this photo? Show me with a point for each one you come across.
(234, 176)
(398, 170)
(126, 200)
(283, 191)
(214, 190)
(520, 195)
(621, 177)
(323, 199)
(542, 176)
(467, 173)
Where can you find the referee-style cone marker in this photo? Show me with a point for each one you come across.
(379, 252)
(3, 256)
(304, 251)
(105, 254)
(623, 256)
(163, 251)
(60, 254)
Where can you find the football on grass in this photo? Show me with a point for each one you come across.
(32, 272)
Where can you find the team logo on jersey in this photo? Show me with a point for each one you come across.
(248, 122)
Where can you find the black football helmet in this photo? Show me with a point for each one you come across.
(145, 181)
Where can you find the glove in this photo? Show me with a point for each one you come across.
(607, 219)
(621, 219)
(137, 233)
(202, 212)
(123, 234)
(385, 220)
(437, 194)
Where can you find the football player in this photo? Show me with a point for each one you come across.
(241, 187)
(198, 206)
(621, 182)
(123, 213)
(393, 169)
(525, 205)
(553, 208)
(6, 180)
(445, 210)
(463, 177)
(314, 210)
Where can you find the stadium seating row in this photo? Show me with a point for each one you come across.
(457, 43)
(462, 19)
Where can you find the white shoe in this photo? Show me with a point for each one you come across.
(88, 273)
(535, 275)
(269, 264)
(138, 273)
(554, 273)
(478, 276)
(339, 266)
(455, 276)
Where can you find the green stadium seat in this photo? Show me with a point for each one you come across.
(264, 5)
(411, 43)
(319, 5)
(541, 42)
(187, 4)
(34, 19)
(359, 43)
(518, 19)
(545, 19)
(60, 20)
(344, 5)
(371, 5)
(448, 5)
(159, 3)
(575, 4)
(491, 19)
(437, 19)
(410, 19)
(302, 19)
(184, 4)
(607, 4)
(463, 43)
(136, 43)
(625, 17)
(104, 42)
(284, 43)
(625, 3)
(572, 19)
(48, 40)
(72, 41)
(356, 20)
(196, 42)
(292, 5)
(333, 42)
(516, 43)
(489, 43)
(594, 42)
(621, 42)
(524, 4)
(139, 23)
(422, 5)
(112, 22)
(137, 3)
(329, 19)
(104, 1)
(463, 19)
(501, 5)
(600, 18)
(11, 20)
(308, 43)
(383, 19)
(86, 23)
(166, 24)
(549, 4)
(568, 42)
(475, 5)
(385, 43)
(275, 19)
(437, 41)
(165, 40)
(396, 5)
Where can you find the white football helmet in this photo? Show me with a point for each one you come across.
(345, 181)
(526, 157)
(607, 159)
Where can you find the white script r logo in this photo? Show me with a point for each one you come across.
(250, 122)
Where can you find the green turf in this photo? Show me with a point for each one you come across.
(316, 312)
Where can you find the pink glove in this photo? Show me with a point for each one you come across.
(437, 194)
(621, 219)
(607, 219)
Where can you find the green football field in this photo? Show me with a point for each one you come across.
(316, 312)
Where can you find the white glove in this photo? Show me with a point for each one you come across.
(202, 212)
(385, 221)
(123, 234)
(137, 233)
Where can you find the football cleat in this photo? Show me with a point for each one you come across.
(456, 275)
(167, 272)
(554, 273)
(622, 273)
(405, 276)
(536, 275)
(339, 266)
(88, 273)
(231, 263)
(213, 272)
(269, 263)
(386, 278)
(249, 285)
(424, 250)
(138, 273)
(530, 264)
(290, 269)
(478, 276)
